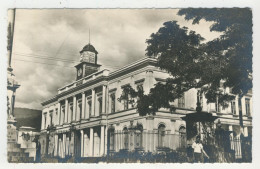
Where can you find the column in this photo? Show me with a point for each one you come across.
(72, 143)
(120, 134)
(245, 131)
(59, 114)
(64, 145)
(66, 110)
(144, 144)
(56, 145)
(150, 134)
(105, 140)
(74, 112)
(83, 106)
(155, 136)
(104, 99)
(43, 114)
(82, 143)
(59, 147)
(93, 103)
(86, 146)
(230, 128)
(102, 142)
(91, 142)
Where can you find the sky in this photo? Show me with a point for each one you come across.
(47, 43)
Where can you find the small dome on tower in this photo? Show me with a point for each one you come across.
(89, 48)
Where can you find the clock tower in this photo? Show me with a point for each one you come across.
(88, 62)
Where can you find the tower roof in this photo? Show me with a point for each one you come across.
(89, 48)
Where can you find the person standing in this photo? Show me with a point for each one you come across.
(198, 150)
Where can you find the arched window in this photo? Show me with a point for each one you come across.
(161, 135)
(139, 136)
(125, 138)
(182, 132)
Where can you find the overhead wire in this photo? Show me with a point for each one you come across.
(37, 56)
(42, 63)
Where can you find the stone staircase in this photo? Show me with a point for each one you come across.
(16, 154)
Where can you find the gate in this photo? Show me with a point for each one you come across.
(242, 147)
(235, 144)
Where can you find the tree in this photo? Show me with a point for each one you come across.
(178, 51)
(234, 47)
(223, 62)
(190, 63)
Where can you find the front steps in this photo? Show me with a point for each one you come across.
(16, 154)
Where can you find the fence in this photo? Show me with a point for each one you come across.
(242, 147)
(154, 141)
(148, 141)
(235, 144)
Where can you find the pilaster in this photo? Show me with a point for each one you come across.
(104, 99)
(64, 145)
(102, 142)
(93, 103)
(91, 142)
(82, 143)
(59, 114)
(74, 112)
(66, 110)
(56, 143)
(83, 106)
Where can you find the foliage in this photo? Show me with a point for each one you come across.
(212, 66)
(233, 47)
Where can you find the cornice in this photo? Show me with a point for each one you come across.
(102, 79)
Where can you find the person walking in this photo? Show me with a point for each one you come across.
(198, 151)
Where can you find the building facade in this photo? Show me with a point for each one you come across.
(87, 119)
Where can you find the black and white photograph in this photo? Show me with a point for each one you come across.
(171, 85)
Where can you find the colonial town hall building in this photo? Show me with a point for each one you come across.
(87, 119)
